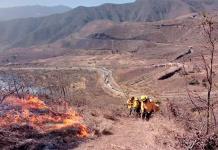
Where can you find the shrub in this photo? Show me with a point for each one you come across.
(194, 82)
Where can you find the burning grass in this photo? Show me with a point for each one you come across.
(33, 119)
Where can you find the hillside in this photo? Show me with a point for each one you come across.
(30, 11)
(100, 37)
(33, 31)
(135, 36)
(65, 79)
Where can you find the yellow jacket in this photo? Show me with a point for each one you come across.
(129, 104)
(136, 104)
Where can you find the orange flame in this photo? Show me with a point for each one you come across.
(36, 113)
(83, 131)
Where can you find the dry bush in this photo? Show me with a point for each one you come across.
(200, 142)
(194, 82)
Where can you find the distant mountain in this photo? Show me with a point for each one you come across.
(33, 31)
(30, 11)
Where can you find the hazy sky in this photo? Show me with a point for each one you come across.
(71, 3)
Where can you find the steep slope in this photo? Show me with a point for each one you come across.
(30, 11)
(27, 32)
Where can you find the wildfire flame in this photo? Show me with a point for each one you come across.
(36, 113)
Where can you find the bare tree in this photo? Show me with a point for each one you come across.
(207, 57)
(8, 87)
(208, 62)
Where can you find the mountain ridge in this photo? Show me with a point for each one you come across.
(49, 29)
(22, 12)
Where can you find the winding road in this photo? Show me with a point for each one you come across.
(106, 80)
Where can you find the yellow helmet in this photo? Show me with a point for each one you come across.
(144, 97)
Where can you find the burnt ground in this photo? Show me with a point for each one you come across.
(25, 137)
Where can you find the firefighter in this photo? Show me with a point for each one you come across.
(136, 106)
(144, 100)
(148, 107)
(130, 104)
